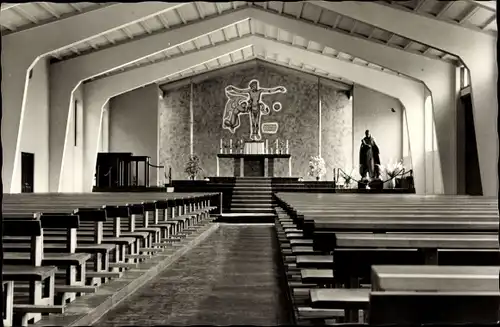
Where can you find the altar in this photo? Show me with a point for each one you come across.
(254, 165)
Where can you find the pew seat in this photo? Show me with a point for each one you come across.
(52, 259)
(315, 261)
(27, 273)
(313, 314)
(297, 250)
(435, 278)
(317, 276)
(340, 298)
(300, 242)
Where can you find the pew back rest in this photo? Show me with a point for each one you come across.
(415, 308)
(88, 214)
(27, 227)
(22, 227)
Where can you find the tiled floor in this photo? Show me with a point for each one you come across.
(230, 278)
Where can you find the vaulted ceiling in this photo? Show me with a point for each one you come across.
(476, 15)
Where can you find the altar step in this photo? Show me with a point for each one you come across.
(252, 201)
(253, 210)
(246, 218)
(252, 191)
(250, 183)
(253, 187)
(240, 179)
(253, 197)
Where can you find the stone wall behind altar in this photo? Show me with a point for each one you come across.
(298, 121)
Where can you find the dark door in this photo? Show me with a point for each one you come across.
(254, 167)
(473, 184)
(27, 172)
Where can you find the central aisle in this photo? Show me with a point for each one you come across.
(230, 278)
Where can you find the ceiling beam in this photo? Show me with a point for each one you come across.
(445, 8)
(46, 6)
(180, 16)
(490, 23)
(200, 11)
(337, 21)
(469, 14)
(6, 6)
(24, 14)
(487, 5)
(299, 14)
(74, 6)
(419, 5)
(354, 27)
(319, 16)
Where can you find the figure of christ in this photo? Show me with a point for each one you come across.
(254, 104)
(369, 157)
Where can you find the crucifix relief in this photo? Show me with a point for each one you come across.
(248, 102)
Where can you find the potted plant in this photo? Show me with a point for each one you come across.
(193, 167)
(317, 167)
(392, 171)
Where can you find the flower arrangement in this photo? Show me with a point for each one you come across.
(317, 167)
(394, 169)
(193, 166)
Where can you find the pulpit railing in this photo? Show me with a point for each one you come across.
(123, 169)
(150, 165)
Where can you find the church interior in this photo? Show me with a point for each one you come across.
(250, 163)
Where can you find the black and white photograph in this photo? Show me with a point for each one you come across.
(259, 163)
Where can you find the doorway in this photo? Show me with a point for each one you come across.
(471, 176)
(27, 172)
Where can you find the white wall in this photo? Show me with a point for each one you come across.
(372, 110)
(104, 134)
(133, 125)
(35, 128)
(477, 51)
(72, 161)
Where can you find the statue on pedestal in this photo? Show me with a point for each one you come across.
(369, 159)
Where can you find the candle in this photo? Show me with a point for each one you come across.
(286, 146)
(230, 143)
(267, 147)
(220, 145)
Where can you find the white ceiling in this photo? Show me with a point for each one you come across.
(477, 15)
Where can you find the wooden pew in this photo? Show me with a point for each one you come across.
(437, 294)
(65, 203)
(72, 264)
(100, 252)
(111, 212)
(40, 298)
(8, 302)
(423, 208)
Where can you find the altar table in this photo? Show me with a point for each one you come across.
(254, 165)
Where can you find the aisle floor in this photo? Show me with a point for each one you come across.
(230, 278)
